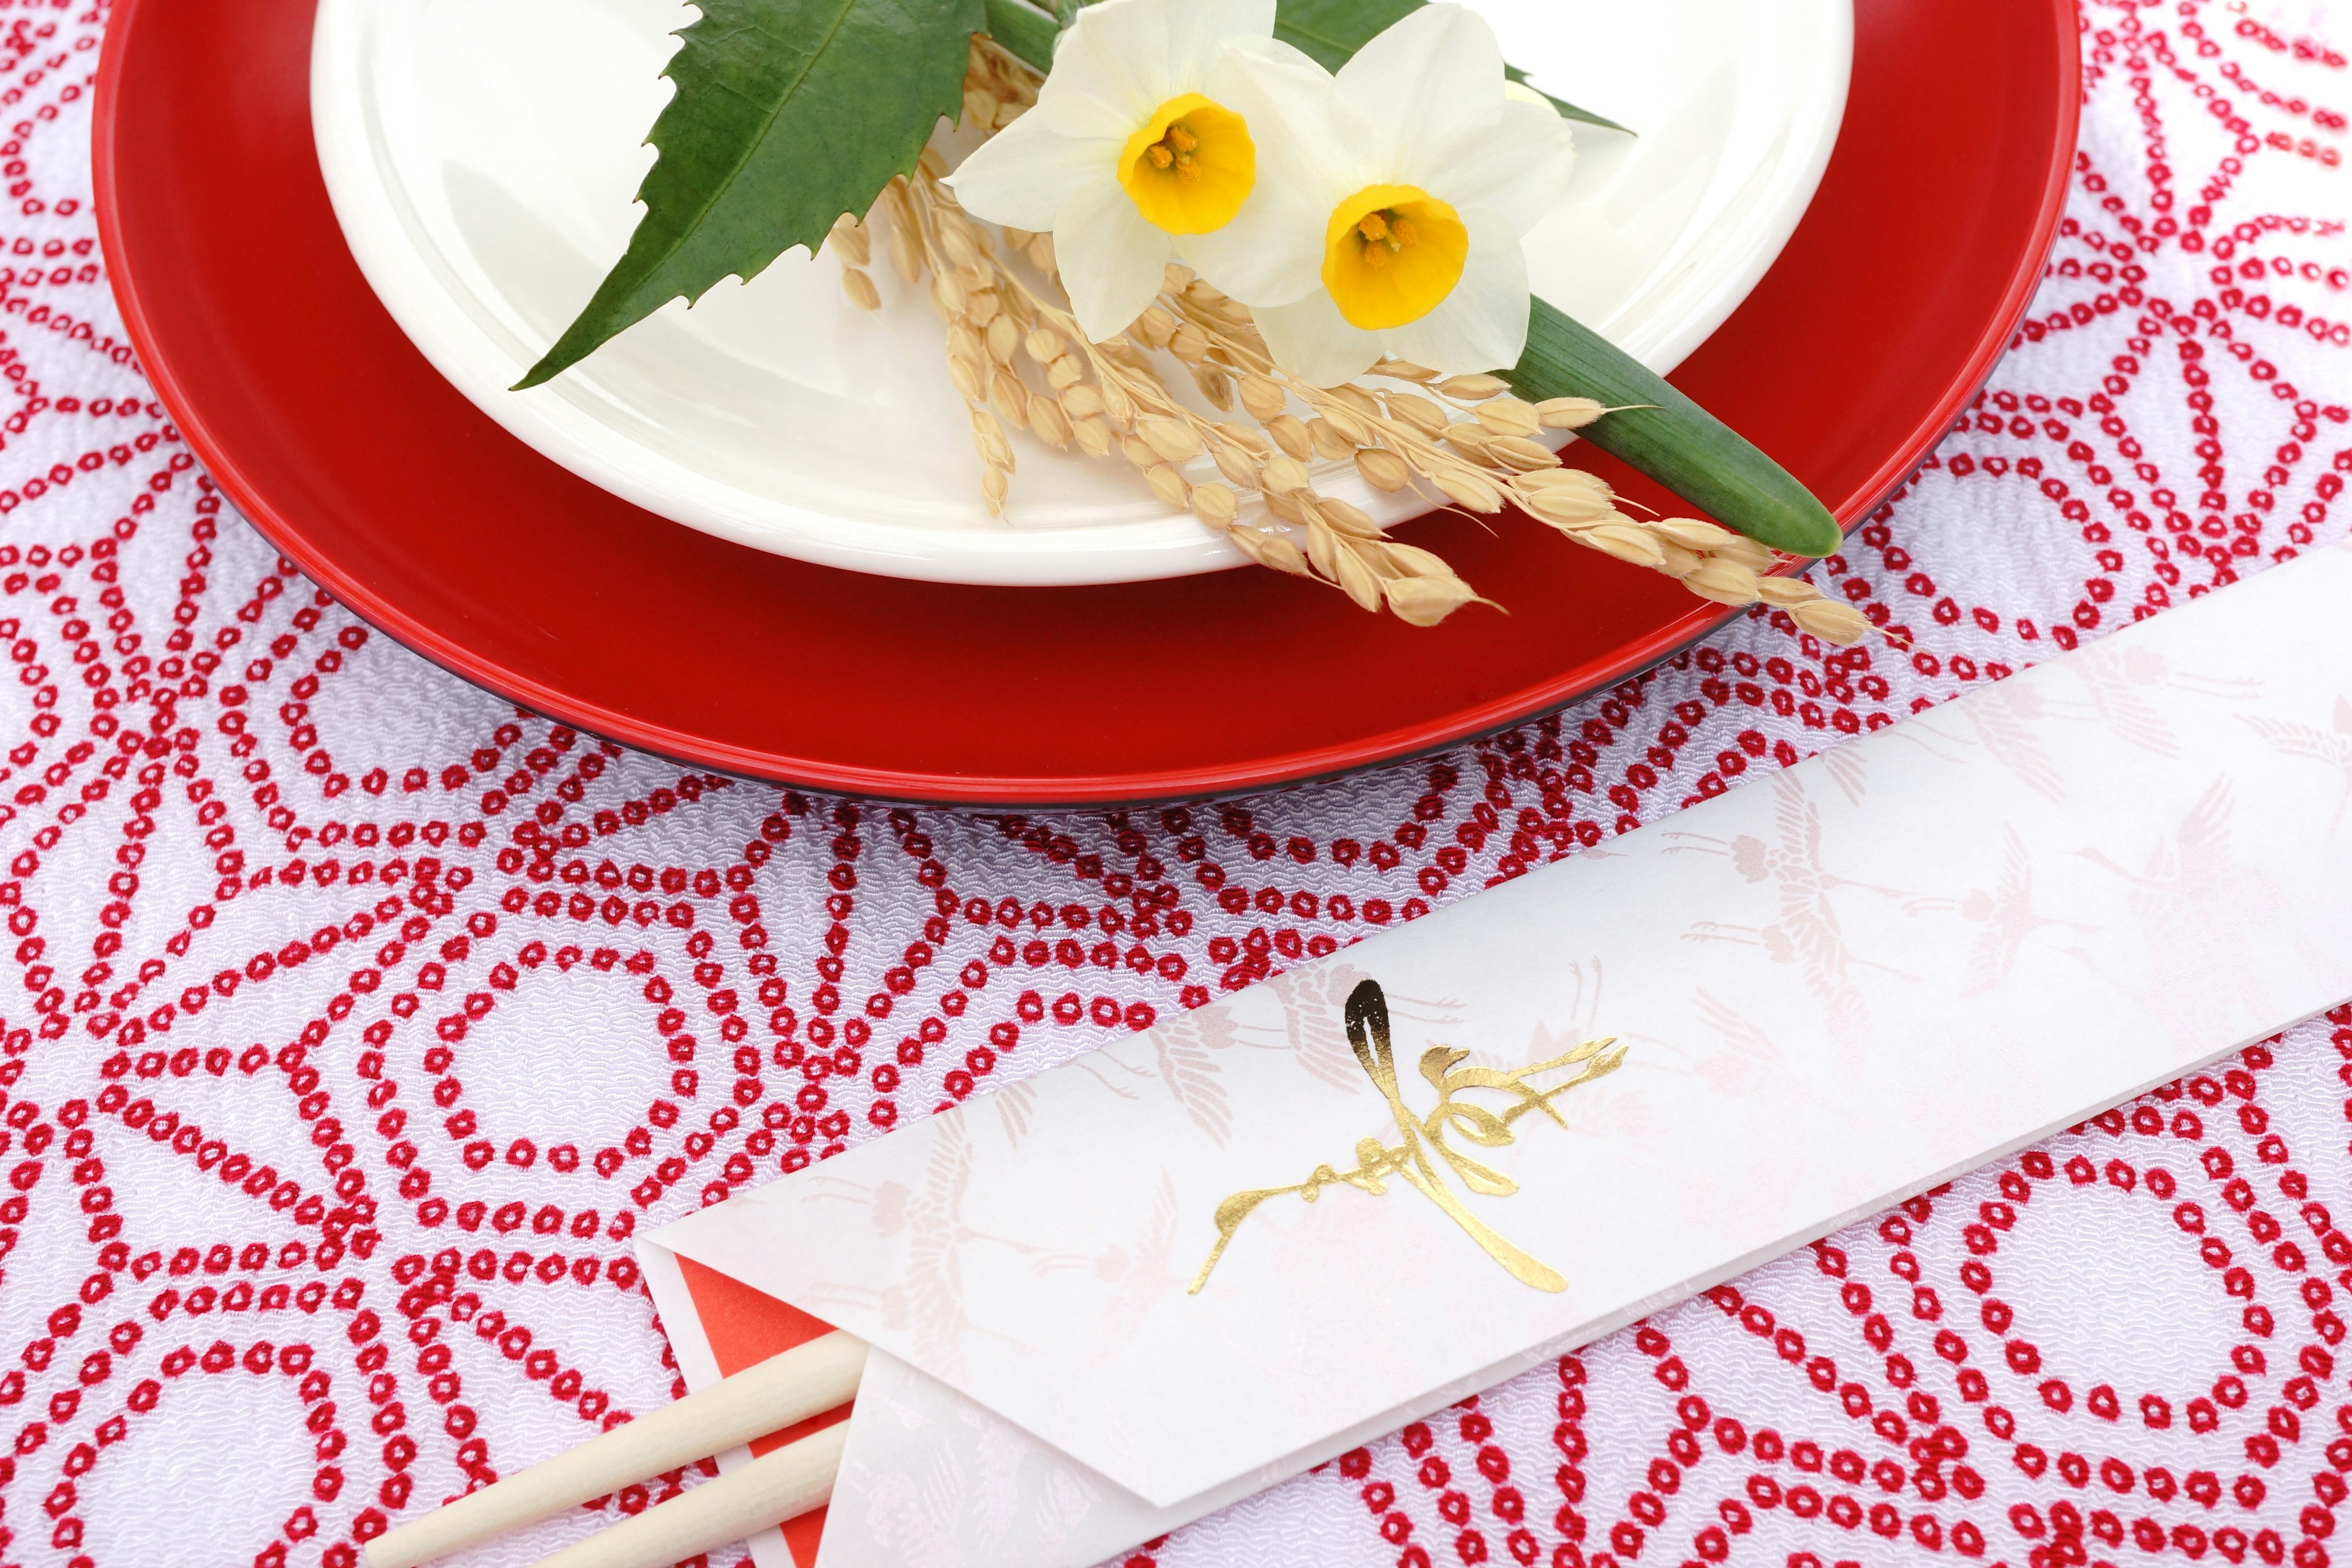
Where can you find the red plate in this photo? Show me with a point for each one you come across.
(328, 431)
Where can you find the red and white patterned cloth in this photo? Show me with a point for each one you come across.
(326, 965)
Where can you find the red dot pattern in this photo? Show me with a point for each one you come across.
(358, 1021)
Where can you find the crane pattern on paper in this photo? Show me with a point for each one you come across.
(322, 1184)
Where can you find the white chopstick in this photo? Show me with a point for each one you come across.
(769, 1490)
(806, 1380)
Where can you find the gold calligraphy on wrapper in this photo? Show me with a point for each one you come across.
(1424, 1150)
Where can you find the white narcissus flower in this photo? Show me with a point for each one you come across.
(1390, 200)
(1130, 152)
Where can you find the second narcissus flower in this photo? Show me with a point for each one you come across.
(1390, 200)
(1130, 152)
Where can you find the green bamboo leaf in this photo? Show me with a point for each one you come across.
(1026, 31)
(1331, 31)
(1671, 438)
(788, 114)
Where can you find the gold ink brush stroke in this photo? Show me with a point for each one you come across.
(1409, 1160)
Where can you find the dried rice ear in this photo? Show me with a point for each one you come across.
(1018, 360)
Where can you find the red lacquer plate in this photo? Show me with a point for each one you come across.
(331, 434)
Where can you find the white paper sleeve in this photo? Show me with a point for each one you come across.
(1831, 988)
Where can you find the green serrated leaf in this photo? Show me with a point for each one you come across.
(788, 114)
(1331, 31)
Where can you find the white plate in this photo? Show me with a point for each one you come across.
(483, 156)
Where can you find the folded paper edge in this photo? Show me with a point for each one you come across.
(682, 1322)
(1182, 1509)
(679, 1239)
(898, 1389)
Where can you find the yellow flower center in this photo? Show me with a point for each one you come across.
(1390, 254)
(1191, 167)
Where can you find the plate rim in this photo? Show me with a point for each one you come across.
(411, 279)
(969, 789)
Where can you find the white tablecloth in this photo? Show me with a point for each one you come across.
(294, 1019)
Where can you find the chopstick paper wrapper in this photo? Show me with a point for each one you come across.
(1830, 989)
(719, 1327)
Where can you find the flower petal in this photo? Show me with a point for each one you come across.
(1105, 82)
(1199, 30)
(1111, 259)
(1272, 251)
(1482, 326)
(1430, 81)
(1269, 255)
(1025, 172)
(1123, 59)
(1517, 170)
(1307, 132)
(1313, 342)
